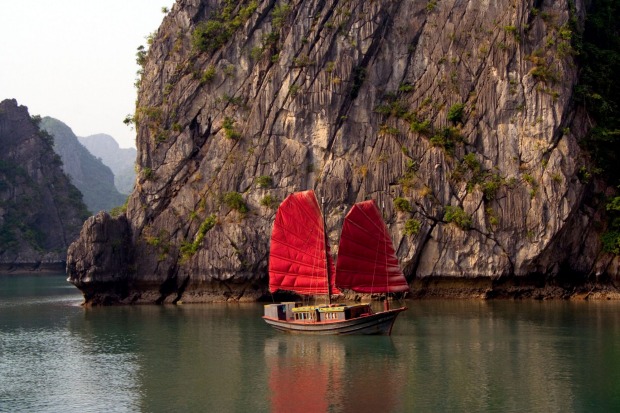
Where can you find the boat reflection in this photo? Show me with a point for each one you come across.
(344, 374)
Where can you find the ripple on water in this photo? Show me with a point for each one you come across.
(43, 369)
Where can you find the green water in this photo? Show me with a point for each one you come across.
(443, 356)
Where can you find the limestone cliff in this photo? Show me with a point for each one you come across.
(41, 212)
(455, 114)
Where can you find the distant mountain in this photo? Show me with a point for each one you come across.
(120, 160)
(94, 179)
(41, 211)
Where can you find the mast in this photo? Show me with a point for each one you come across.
(329, 284)
(386, 303)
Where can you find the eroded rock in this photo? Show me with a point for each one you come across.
(459, 107)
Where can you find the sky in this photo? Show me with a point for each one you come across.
(75, 60)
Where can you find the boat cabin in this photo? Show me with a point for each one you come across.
(292, 311)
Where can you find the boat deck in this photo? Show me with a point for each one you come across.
(330, 319)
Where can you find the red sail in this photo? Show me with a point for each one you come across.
(298, 250)
(367, 262)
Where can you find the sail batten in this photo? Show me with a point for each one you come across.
(298, 251)
(367, 262)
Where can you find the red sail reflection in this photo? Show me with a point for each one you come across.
(311, 374)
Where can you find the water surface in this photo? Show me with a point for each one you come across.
(474, 356)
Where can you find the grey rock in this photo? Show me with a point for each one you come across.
(354, 99)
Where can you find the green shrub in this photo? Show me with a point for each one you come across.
(492, 216)
(293, 90)
(168, 89)
(405, 87)
(256, 52)
(385, 129)
(412, 226)
(513, 30)
(210, 35)
(269, 201)
(208, 75)
(119, 210)
(247, 11)
(446, 138)
(611, 242)
(490, 185)
(456, 215)
(402, 205)
(472, 162)
(147, 173)
(455, 113)
(229, 70)
(141, 56)
(190, 248)
(421, 127)
(543, 73)
(279, 15)
(529, 179)
(229, 129)
(215, 32)
(393, 107)
(611, 237)
(412, 166)
(264, 181)
(235, 201)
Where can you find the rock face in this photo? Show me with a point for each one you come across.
(457, 115)
(104, 242)
(94, 179)
(41, 212)
(120, 160)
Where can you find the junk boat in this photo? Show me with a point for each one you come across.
(300, 262)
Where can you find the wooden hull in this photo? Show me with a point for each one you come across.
(378, 324)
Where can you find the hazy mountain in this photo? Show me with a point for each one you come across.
(120, 160)
(94, 179)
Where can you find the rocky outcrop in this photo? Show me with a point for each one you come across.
(103, 244)
(41, 212)
(457, 115)
(94, 179)
(120, 160)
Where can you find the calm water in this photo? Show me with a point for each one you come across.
(458, 356)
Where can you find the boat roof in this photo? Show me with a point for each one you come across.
(334, 308)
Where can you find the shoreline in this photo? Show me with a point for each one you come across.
(431, 288)
(33, 268)
(512, 288)
(448, 291)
